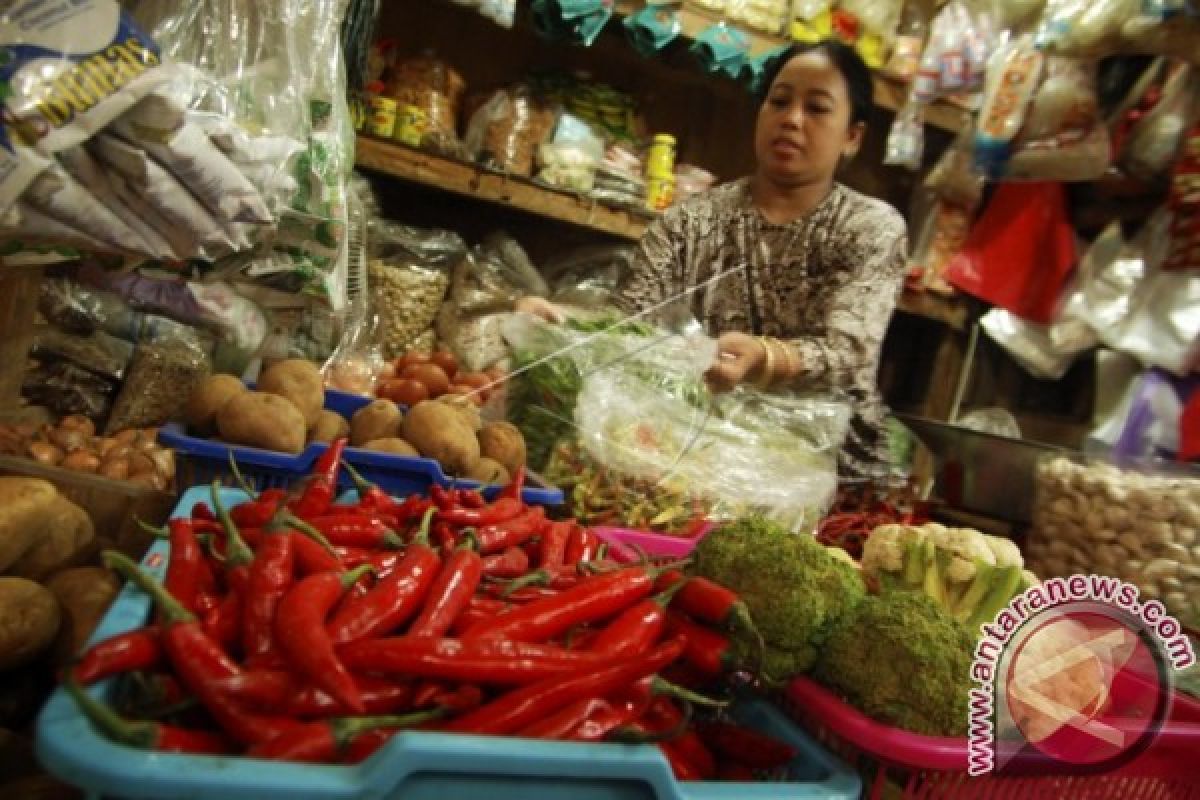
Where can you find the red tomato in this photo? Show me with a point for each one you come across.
(411, 357)
(477, 379)
(474, 395)
(446, 360)
(404, 391)
(431, 375)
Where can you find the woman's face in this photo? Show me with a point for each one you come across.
(803, 127)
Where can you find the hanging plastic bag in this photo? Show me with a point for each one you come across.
(483, 291)
(906, 138)
(585, 279)
(170, 362)
(570, 156)
(1154, 139)
(1020, 252)
(358, 361)
(1014, 73)
(1063, 137)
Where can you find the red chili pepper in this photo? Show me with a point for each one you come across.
(311, 557)
(689, 746)
(327, 740)
(492, 662)
(745, 745)
(735, 772)
(300, 633)
(237, 553)
(143, 734)
(224, 622)
(709, 601)
(198, 660)
(280, 691)
(637, 628)
(384, 561)
(258, 513)
(394, 599)
(184, 563)
(525, 594)
(367, 744)
(515, 484)
(486, 604)
(497, 537)
(597, 726)
(552, 553)
(350, 529)
(271, 575)
(520, 707)
(470, 498)
(459, 699)
(370, 496)
(562, 724)
(590, 550)
(318, 495)
(444, 537)
(512, 563)
(202, 511)
(138, 649)
(596, 598)
(469, 617)
(705, 648)
(443, 499)
(681, 767)
(573, 549)
(503, 510)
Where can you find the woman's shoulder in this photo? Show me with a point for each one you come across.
(863, 215)
(719, 201)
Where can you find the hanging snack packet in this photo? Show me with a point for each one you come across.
(173, 201)
(56, 194)
(100, 182)
(22, 226)
(160, 126)
(1014, 74)
(72, 68)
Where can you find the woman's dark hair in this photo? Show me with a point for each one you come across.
(844, 58)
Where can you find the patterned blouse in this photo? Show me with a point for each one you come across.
(827, 283)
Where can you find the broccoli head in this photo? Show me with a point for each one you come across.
(901, 659)
(795, 588)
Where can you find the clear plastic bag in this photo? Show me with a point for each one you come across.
(358, 361)
(103, 354)
(65, 388)
(1154, 139)
(570, 156)
(430, 84)
(168, 365)
(483, 291)
(504, 134)
(83, 309)
(408, 272)
(749, 451)
(587, 277)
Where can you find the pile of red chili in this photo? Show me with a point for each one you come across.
(861, 508)
(288, 627)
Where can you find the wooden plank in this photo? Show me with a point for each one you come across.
(890, 92)
(475, 182)
(18, 306)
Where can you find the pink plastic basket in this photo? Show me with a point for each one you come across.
(624, 543)
(895, 763)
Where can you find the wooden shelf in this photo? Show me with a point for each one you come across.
(505, 190)
(890, 92)
(947, 310)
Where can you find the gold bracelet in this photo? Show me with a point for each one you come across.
(790, 365)
(768, 370)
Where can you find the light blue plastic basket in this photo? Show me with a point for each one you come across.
(415, 765)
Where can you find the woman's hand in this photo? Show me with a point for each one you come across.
(540, 307)
(739, 356)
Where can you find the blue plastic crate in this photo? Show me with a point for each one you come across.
(413, 765)
(201, 461)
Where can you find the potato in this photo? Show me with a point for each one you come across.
(209, 397)
(84, 594)
(300, 382)
(438, 431)
(394, 445)
(67, 533)
(466, 408)
(330, 427)
(380, 419)
(29, 621)
(262, 420)
(489, 471)
(503, 442)
(25, 504)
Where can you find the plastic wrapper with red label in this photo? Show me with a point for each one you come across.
(1020, 252)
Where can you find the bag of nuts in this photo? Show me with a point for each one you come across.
(408, 273)
(433, 86)
(1141, 526)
